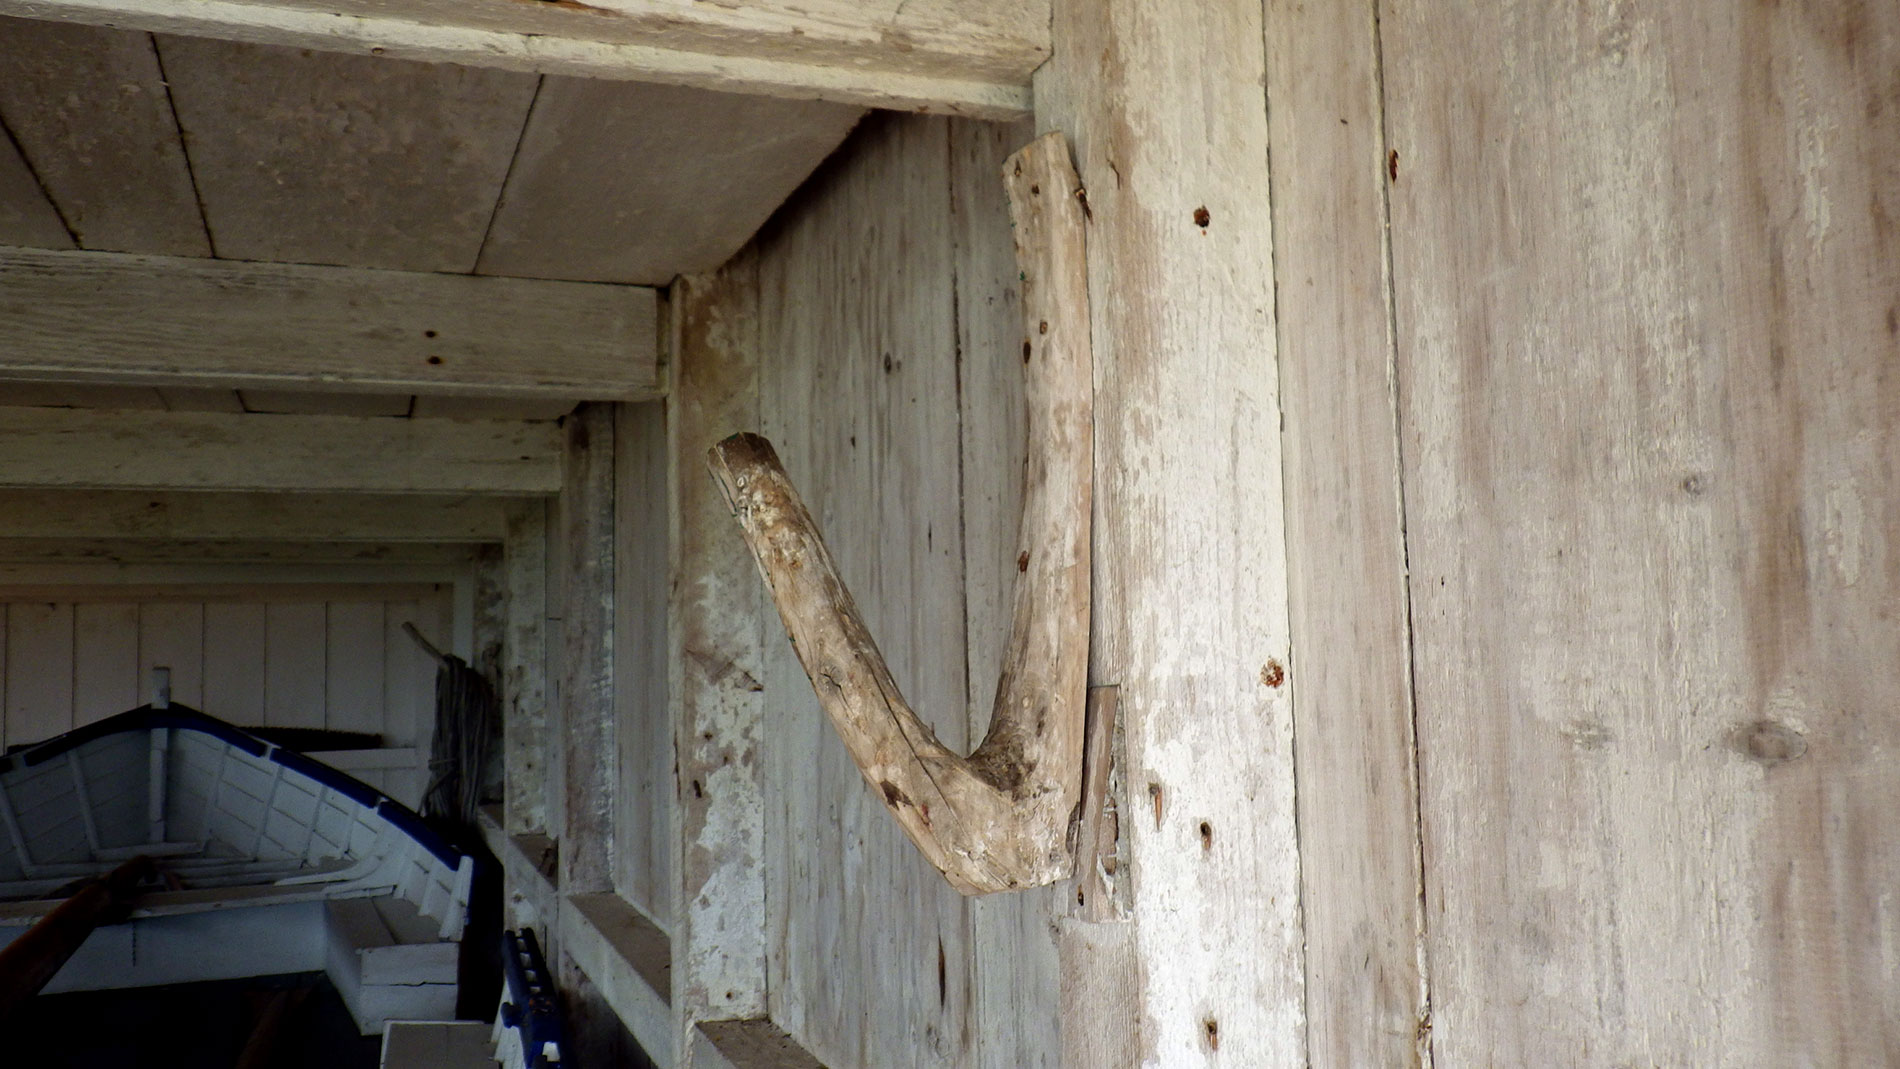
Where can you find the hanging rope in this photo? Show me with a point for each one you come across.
(465, 716)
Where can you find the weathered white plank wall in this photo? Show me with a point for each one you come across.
(342, 665)
(869, 953)
(1163, 100)
(1351, 671)
(643, 724)
(1646, 275)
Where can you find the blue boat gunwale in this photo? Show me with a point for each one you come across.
(184, 717)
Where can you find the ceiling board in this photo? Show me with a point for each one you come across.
(434, 407)
(200, 399)
(309, 157)
(89, 110)
(625, 182)
(295, 403)
(63, 395)
(26, 216)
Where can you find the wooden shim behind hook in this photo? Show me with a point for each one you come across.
(998, 819)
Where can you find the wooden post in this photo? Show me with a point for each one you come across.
(998, 819)
(587, 664)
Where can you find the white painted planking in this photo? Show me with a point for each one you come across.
(1013, 946)
(1350, 675)
(1645, 286)
(171, 635)
(287, 332)
(940, 55)
(632, 182)
(1163, 100)
(209, 451)
(355, 641)
(714, 659)
(318, 157)
(105, 666)
(295, 659)
(26, 216)
(39, 703)
(89, 109)
(869, 948)
(227, 517)
(234, 659)
(643, 733)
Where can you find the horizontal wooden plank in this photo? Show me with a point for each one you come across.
(628, 958)
(754, 1044)
(83, 449)
(33, 584)
(196, 517)
(176, 321)
(165, 551)
(972, 57)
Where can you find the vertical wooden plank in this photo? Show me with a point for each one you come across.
(234, 662)
(172, 635)
(408, 697)
(90, 109)
(715, 661)
(294, 665)
(26, 216)
(106, 676)
(870, 948)
(1163, 101)
(1350, 675)
(1017, 1021)
(355, 636)
(40, 670)
(590, 756)
(643, 818)
(1645, 280)
(318, 157)
(554, 628)
(524, 676)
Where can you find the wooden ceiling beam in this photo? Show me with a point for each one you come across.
(45, 448)
(176, 321)
(177, 517)
(968, 57)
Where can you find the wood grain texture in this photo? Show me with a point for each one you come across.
(89, 109)
(869, 953)
(999, 819)
(271, 328)
(1163, 101)
(26, 216)
(207, 517)
(1350, 675)
(631, 182)
(320, 158)
(524, 675)
(715, 662)
(45, 447)
(643, 723)
(1013, 950)
(1645, 275)
(927, 55)
(590, 759)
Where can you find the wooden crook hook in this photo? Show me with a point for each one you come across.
(998, 819)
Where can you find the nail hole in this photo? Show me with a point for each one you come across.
(1272, 673)
(1035, 191)
(428, 333)
(1201, 218)
(1025, 352)
(435, 360)
(1207, 835)
(1212, 1028)
(1022, 561)
(1154, 795)
(1042, 327)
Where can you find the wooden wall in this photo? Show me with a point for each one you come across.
(281, 658)
(886, 333)
(1645, 270)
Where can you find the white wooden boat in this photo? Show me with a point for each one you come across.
(270, 863)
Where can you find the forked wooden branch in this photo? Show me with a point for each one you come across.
(998, 819)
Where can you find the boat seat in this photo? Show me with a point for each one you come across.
(389, 962)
